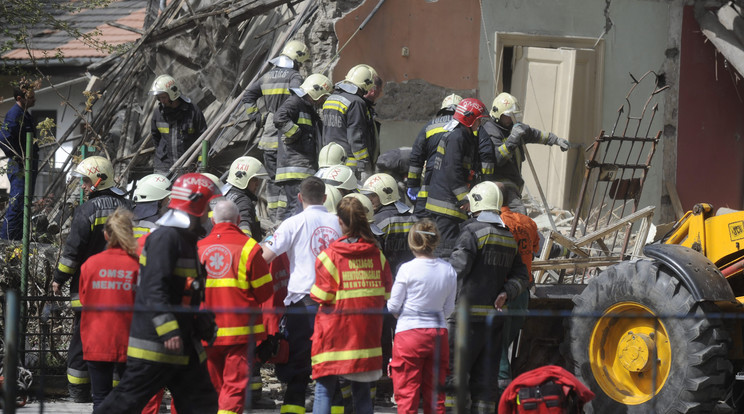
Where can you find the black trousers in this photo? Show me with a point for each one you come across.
(296, 372)
(102, 378)
(192, 390)
(77, 368)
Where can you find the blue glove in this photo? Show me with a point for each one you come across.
(413, 193)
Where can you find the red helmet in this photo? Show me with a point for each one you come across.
(191, 194)
(469, 110)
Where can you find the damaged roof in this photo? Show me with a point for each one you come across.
(118, 23)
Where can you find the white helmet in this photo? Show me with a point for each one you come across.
(332, 154)
(450, 102)
(385, 186)
(363, 76)
(296, 50)
(370, 211)
(243, 169)
(505, 104)
(99, 170)
(152, 187)
(341, 177)
(317, 86)
(214, 178)
(333, 196)
(166, 83)
(485, 196)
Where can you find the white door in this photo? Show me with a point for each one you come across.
(555, 90)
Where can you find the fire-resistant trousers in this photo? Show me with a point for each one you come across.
(229, 369)
(192, 391)
(420, 356)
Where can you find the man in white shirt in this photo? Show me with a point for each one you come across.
(302, 237)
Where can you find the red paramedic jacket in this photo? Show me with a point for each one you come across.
(107, 279)
(349, 276)
(273, 309)
(238, 278)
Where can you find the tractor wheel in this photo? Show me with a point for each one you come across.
(640, 363)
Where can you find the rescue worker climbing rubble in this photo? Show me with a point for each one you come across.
(274, 88)
(509, 137)
(238, 279)
(423, 153)
(165, 338)
(453, 171)
(348, 122)
(176, 123)
(300, 127)
(490, 273)
(85, 239)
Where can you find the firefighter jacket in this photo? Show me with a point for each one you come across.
(348, 122)
(487, 263)
(18, 122)
(169, 264)
(145, 216)
(300, 127)
(351, 275)
(107, 279)
(425, 148)
(457, 155)
(395, 226)
(524, 230)
(174, 130)
(508, 155)
(238, 278)
(86, 237)
(246, 203)
(274, 87)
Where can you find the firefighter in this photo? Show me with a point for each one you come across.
(371, 98)
(165, 337)
(243, 182)
(348, 122)
(451, 175)
(509, 137)
(18, 123)
(352, 275)
(274, 87)
(333, 196)
(299, 125)
(151, 199)
(302, 237)
(330, 155)
(108, 279)
(85, 239)
(176, 123)
(238, 278)
(490, 273)
(423, 152)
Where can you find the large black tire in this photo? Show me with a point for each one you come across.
(698, 372)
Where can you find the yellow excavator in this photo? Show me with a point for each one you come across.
(663, 334)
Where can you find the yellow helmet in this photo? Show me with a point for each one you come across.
(331, 154)
(485, 196)
(384, 185)
(333, 196)
(152, 187)
(296, 50)
(98, 170)
(243, 169)
(341, 177)
(505, 104)
(165, 83)
(363, 76)
(317, 86)
(450, 102)
(369, 210)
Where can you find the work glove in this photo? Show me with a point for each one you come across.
(205, 326)
(257, 118)
(564, 144)
(514, 141)
(413, 193)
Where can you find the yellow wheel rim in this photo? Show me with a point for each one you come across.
(630, 353)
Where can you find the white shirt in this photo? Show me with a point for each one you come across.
(303, 237)
(423, 294)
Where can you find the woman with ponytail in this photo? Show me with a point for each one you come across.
(352, 282)
(107, 280)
